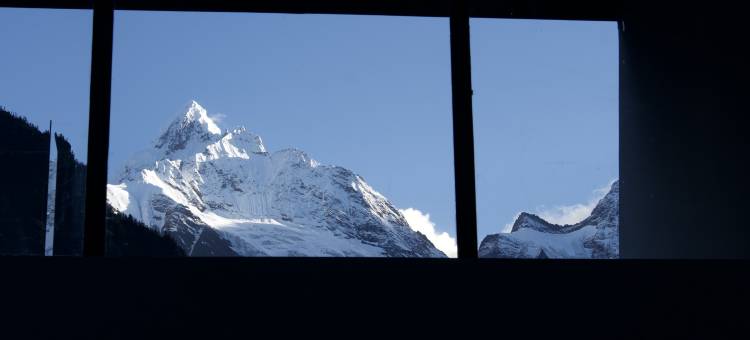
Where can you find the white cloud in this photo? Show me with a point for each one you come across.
(420, 222)
(571, 214)
(567, 214)
(218, 118)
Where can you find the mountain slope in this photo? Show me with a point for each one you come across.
(127, 237)
(597, 236)
(220, 193)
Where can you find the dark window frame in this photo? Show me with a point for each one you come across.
(457, 11)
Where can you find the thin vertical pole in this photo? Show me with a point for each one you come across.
(463, 133)
(98, 140)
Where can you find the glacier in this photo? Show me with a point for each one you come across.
(220, 192)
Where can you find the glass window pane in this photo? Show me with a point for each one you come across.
(44, 106)
(354, 113)
(546, 135)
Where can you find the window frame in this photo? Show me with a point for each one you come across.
(457, 11)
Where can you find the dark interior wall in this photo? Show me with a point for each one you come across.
(211, 298)
(684, 143)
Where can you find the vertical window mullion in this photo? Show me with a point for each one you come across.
(463, 134)
(98, 146)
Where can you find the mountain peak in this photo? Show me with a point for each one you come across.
(192, 126)
(224, 194)
(606, 209)
(597, 236)
(244, 139)
(531, 221)
(194, 112)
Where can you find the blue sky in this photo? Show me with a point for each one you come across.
(369, 93)
(45, 67)
(545, 116)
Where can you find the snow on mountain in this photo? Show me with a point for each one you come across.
(597, 236)
(221, 193)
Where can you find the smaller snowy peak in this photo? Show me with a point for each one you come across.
(294, 157)
(597, 236)
(605, 212)
(531, 221)
(244, 139)
(237, 143)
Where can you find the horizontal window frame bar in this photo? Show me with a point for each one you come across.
(48, 4)
(532, 9)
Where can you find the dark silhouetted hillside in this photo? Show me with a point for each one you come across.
(24, 176)
(70, 200)
(24, 170)
(126, 236)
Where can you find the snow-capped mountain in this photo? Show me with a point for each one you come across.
(597, 236)
(221, 193)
